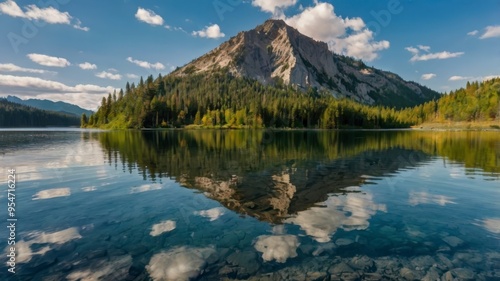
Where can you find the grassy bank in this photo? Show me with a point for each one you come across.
(481, 125)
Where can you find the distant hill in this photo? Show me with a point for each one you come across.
(14, 115)
(59, 106)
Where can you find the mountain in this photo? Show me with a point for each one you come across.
(14, 115)
(59, 106)
(275, 52)
(268, 77)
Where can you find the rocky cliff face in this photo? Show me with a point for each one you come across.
(275, 52)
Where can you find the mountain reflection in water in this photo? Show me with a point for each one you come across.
(273, 175)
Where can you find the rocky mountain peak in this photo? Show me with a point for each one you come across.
(275, 51)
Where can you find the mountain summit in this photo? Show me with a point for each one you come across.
(275, 52)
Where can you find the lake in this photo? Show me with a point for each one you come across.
(257, 205)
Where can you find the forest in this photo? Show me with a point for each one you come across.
(219, 100)
(13, 115)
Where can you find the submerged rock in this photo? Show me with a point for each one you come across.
(407, 273)
(447, 276)
(340, 268)
(363, 263)
(453, 241)
(344, 242)
(423, 262)
(443, 262)
(387, 265)
(324, 248)
(316, 276)
(467, 257)
(432, 275)
(464, 274)
(244, 263)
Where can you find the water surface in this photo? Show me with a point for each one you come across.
(259, 205)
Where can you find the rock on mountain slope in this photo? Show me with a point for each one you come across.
(275, 52)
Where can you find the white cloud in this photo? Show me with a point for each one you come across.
(48, 60)
(212, 31)
(491, 32)
(49, 15)
(417, 56)
(11, 8)
(108, 75)
(473, 33)
(86, 96)
(439, 56)
(277, 247)
(148, 17)
(9, 67)
(459, 78)
(486, 78)
(349, 36)
(424, 48)
(132, 76)
(87, 66)
(470, 78)
(145, 64)
(412, 50)
(428, 76)
(273, 6)
(78, 25)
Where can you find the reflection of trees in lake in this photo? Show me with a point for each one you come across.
(272, 174)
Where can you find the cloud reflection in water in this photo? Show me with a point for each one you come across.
(162, 227)
(213, 214)
(52, 193)
(179, 264)
(490, 224)
(349, 212)
(145, 188)
(277, 247)
(417, 198)
(24, 251)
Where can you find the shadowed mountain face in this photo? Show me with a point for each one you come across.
(275, 175)
(275, 52)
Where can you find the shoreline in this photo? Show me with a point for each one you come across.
(460, 126)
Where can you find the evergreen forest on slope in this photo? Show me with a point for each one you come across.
(220, 100)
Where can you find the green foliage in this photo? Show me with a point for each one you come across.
(476, 102)
(13, 115)
(83, 121)
(220, 100)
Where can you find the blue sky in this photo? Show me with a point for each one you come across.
(77, 51)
